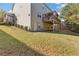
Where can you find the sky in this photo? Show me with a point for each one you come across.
(54, 6)
(6, 6)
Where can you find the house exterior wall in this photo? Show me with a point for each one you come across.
(31, 15)
(23, 13)
(37, 11)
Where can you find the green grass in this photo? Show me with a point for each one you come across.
(14, 41)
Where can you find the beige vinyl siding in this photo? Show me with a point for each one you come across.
(23, 14)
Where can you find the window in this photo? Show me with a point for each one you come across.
(43, 8)
(39, 16)
(28, 14)
(43, 16)
(39, 26)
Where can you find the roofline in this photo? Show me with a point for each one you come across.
(48, 7)
(13, 6)
(31, 3)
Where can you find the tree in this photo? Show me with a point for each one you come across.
(71, 13)
(2, 14)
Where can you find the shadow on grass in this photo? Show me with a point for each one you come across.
(64, 33)
(60, 32)
(10, 46)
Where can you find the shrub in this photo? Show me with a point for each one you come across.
(25, 27)
(2, 23)
(21, 26)
(15, 25)
(18, 25)
(76, 27)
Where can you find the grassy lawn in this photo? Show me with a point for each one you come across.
(14, 41)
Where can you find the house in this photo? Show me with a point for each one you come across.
(52, 22)
(36, 16)
(10, 18)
